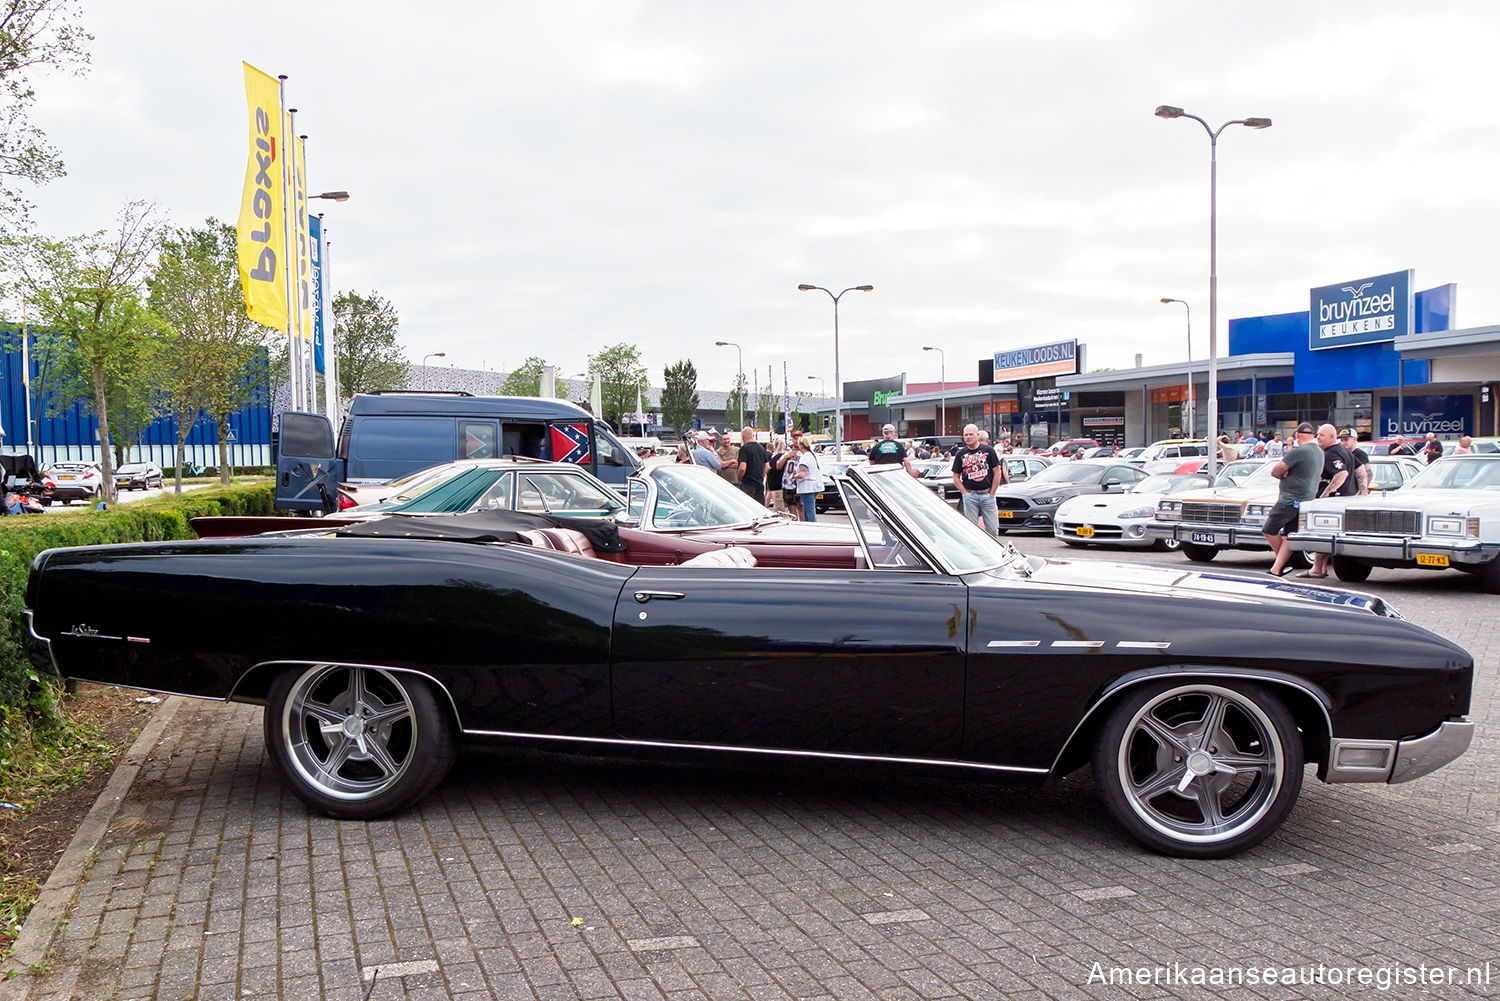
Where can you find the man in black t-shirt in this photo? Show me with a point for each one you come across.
(1337, 481)
(753, 460)
(977, 473)
(1350, 441)
(888, 450)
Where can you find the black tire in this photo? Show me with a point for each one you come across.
(1300, 559)
(1171, 735)
(405, 745)
(1198, 553)
(1489, 576)
(1350, 571)
(1167, 545)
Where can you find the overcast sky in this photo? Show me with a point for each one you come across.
(554, 177)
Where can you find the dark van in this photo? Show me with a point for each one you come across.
(387, 435)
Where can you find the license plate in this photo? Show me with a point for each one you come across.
(1207, 538)
(67, 477)
(1084, 530)
(1431, 560)
(1005, 514)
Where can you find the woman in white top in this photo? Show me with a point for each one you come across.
(809, 479)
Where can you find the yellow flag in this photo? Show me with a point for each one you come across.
(261, 231)
(304, 248)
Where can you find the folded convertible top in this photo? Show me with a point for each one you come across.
(485, 526)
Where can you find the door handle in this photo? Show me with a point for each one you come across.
(645, 596)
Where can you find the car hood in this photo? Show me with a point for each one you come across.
(1109, 503)
(1229, 495)
(1433, 500)
(1186, 583)
(1046, 488)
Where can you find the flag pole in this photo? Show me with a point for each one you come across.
(293, 355)
(330, 331)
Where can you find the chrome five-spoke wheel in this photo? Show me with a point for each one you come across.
(357, 741)
(1201, 770)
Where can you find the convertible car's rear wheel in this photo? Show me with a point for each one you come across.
(358, 742)
(1199, 770)
(1350, 571)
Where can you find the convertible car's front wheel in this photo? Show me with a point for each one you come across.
(1199, 770)
(358, 742)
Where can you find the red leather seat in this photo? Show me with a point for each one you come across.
(568, 540)
(730, 557)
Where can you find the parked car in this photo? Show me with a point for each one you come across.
(1207, 521)
(1121, 519)
(71, 481)
(1172, 448)
(374, 656)
(138, 476)
(1071, 446)
(1030, 505)
(1448, 517)
(1237, 471)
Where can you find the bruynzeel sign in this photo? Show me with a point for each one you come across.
(1362, 311)
(1036, 362)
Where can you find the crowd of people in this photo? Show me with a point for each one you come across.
(1323, 462)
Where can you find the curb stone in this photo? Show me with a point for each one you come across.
(41, 925)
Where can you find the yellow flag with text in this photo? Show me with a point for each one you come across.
(303, 269)
(261, 232)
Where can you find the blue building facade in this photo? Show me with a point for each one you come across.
(72, 432)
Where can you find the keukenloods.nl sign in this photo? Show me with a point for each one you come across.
(1364, 311)
(1037, 362)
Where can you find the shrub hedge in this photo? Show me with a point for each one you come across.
(27, 682)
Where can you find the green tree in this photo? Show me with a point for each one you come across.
(679, 397)
(369, 357)
(88, 290)
(35, 35)
(214, 361)
(525, 379)
(621, 377)
(765, 411)
(737, 403)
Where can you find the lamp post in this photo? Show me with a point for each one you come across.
(838, 387)
(739, 376)
(333, 196)
(943, 376)
(1192, 408)
(822, 386)
(435, 354)
(1167, 111)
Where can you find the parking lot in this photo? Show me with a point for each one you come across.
(548, 876)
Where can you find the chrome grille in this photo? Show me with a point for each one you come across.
(1375, 522)
(1200, 513)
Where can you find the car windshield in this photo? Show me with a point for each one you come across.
(1260, 477)
(962, 546)
(1240, 470)
(1458, 473)
(133, 467)
(694, 497)
(538, 491)
(1068, 472)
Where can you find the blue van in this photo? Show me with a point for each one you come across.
(389, 434)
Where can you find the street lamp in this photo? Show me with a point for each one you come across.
(822, 386)
(838, 387)
(333, 196)
(1192, 407)
(1167, 111)
(435, 354)
(739, 378)
(943, 375)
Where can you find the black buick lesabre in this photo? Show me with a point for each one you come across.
(1198, 697)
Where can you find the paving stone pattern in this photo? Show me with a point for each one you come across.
(542, 876)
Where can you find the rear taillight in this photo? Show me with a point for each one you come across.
(346, 502)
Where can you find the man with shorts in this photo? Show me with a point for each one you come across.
(1298, 472)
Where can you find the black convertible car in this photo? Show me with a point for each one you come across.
(1198, 697)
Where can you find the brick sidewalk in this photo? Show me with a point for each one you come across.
(528, 875)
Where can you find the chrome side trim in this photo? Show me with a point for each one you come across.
(31, 628)
(673, 745)
(1189, 673)
(1418, 757)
